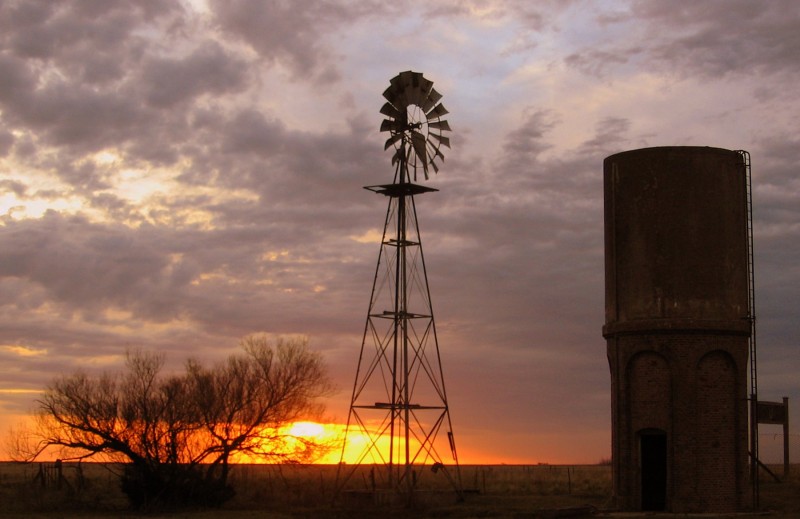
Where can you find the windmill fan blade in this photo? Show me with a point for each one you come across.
(390, 111)
(432, 98)
(425, 86)
(402, 84)
(406, 77)
(416, 79)
(418, 141)
(389, 125)
(409, 79)
(442, 125)
(445, 141)
(424, 164)
(391, 141)
(399, 81)
(412, 91)
(413, 96)
(391, 94)
(435, 152)
(438, 111)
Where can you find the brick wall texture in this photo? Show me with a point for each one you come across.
(691, 387)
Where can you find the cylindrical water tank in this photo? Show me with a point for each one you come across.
(675, 239)
(677, 327)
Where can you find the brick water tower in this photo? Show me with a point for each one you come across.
(678, 263)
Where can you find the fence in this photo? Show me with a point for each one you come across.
(51, 476)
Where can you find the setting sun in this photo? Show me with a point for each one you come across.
(330, 437)
(308, 430)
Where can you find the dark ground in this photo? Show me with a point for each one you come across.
(514, 492)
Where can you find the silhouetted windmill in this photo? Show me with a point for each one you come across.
(399, 404)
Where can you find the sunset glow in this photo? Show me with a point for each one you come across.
(328, 436)
(308, 430)
(331, 437)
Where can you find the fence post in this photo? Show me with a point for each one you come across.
(785, 438)
(569, 481)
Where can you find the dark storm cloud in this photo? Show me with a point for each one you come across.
(710, 40)
(16, 80)
(299, 176)
(532, 15)
(156, 275)
(55, 90)
(524, 144)
(597, 62)
(207, 70)
(6, 142)
(281, 32)
(74, 31)
(776, 214)
(696, 37)
(18, 188)
(611, 133)
(85, 267)
(251, 132)
(507, 231)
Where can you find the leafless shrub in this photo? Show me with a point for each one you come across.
(178, 434)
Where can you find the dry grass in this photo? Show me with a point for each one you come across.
(784, 497)
(282, 492)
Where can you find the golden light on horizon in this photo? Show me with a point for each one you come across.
(307, 429)
(358, 444)
(330, 437)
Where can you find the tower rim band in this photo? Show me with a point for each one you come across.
(677, 326)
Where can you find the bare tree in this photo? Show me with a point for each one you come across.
(178, 434)
(244, 404)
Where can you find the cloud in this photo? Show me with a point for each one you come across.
(702, 35)
(86, 267)
(281, 33)
(208, 70)
(94, 42)
(694, 40)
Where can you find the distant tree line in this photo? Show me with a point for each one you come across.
(178, 433)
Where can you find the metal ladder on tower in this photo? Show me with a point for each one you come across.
(751, 311)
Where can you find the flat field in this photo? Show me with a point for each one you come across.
(310, 491)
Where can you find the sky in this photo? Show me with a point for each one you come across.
(176, 175)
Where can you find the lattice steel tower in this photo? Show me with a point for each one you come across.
(398, 410)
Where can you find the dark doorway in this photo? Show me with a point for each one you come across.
(654, 469)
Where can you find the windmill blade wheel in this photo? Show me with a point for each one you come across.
(414, 121)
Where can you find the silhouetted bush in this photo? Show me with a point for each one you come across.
(178, 434)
